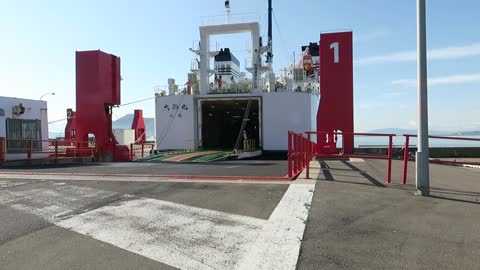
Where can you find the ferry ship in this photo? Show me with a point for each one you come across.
(220, 107)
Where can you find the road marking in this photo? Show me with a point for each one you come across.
(182, 236)
(471, 166)
(6, 184)
(53, 202)
(278, 245)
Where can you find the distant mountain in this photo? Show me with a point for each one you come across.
(54, 135)
(467, 133)
(431, 132)
(125, 122)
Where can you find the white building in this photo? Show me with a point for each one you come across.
(24, 122)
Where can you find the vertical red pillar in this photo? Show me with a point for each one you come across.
(138, 125)
(335, 111)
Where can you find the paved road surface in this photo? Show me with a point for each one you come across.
(357, 223)
(222, 168)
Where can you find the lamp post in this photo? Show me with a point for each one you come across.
(422, 156)
(46, 94)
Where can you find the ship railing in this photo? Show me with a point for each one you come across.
(407, 156)
(141, 150)
(232, 19)
(29, 149)
(302, 149)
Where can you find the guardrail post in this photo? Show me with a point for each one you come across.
(29, 150)
(295, 155)
(389, 160)
(289, 155)
(405, 159)
(56, 150)
(302, 152)
(131, 151)
(2, 151)
(309, 155)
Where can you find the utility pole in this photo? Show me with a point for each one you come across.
(422, 155)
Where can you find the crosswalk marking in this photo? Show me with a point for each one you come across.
(182, 236)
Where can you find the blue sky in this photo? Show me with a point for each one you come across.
(39, 40)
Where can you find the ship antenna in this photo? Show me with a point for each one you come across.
(227, 7)
(270, 11)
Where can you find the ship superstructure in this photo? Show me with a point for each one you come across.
(223, 108)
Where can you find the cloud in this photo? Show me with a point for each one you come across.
(376, 34)
(434, 54)
(412, 124)
(392, 94)
(454, 79)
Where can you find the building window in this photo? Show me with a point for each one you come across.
(23, 134)
(2, 112)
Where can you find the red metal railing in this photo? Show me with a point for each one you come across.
(26, 149)
(298, 154)
(137, 150)
(406, 157)
(314, 153)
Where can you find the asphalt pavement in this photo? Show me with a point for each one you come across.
(221, 168)
(358, 222)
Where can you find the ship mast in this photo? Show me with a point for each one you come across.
(227, 8)
(270, 12)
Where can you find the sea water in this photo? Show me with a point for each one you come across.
(399, 141)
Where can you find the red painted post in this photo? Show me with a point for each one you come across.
(289, 154)
(302, 153)
(56, 149)
(309, 155)
(295, 149)
(2, 151)
(389, 161)
(405, 159)
(131, 151)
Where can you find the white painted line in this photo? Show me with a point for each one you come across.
(53, 202)
(278, 245)
(6, 184)
(182, 236)
(471, 166)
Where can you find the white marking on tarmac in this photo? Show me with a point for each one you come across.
(182, 236)
(471, 166)
(6, 184)
(278, 245)
(52, 202)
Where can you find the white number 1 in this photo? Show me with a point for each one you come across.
(336, 54)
